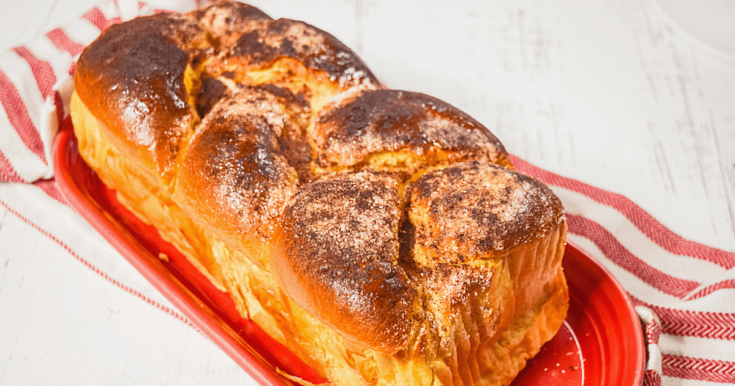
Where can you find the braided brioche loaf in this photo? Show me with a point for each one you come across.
(381, 235)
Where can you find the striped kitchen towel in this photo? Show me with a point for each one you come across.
(684, 292)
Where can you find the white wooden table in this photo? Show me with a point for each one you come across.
(602, 91)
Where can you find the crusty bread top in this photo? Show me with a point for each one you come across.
(391, 121)
(235, 178)
(369, 206)
(226, 21)
(141, 78)
(473, 210)
(373, 264)
(244, 32)
(132, 79)
(336, 255)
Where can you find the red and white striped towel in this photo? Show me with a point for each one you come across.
(684, 292)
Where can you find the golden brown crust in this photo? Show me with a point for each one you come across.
(317, 49)
(374, 122)
(340, 236)
(234, 177)
(380, 218)
(150, 79)
(244, 33)
(227, 20)
(132, 78)
(336, 255)
(475, 210)
(247, 41)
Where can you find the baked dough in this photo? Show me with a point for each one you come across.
(381, 235)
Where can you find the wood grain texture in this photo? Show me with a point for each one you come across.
(604, 92)
(62, 324)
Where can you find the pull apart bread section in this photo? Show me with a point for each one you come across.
(383, 236)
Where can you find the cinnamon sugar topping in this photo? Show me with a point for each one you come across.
(476, 209)
(392, 120)
(264, 125)
(236, 165)
(342, 244)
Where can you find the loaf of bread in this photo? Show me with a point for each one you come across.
(381, 235)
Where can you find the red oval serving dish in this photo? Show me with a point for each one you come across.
(600, 343)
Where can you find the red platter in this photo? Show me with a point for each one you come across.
(601, 342)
